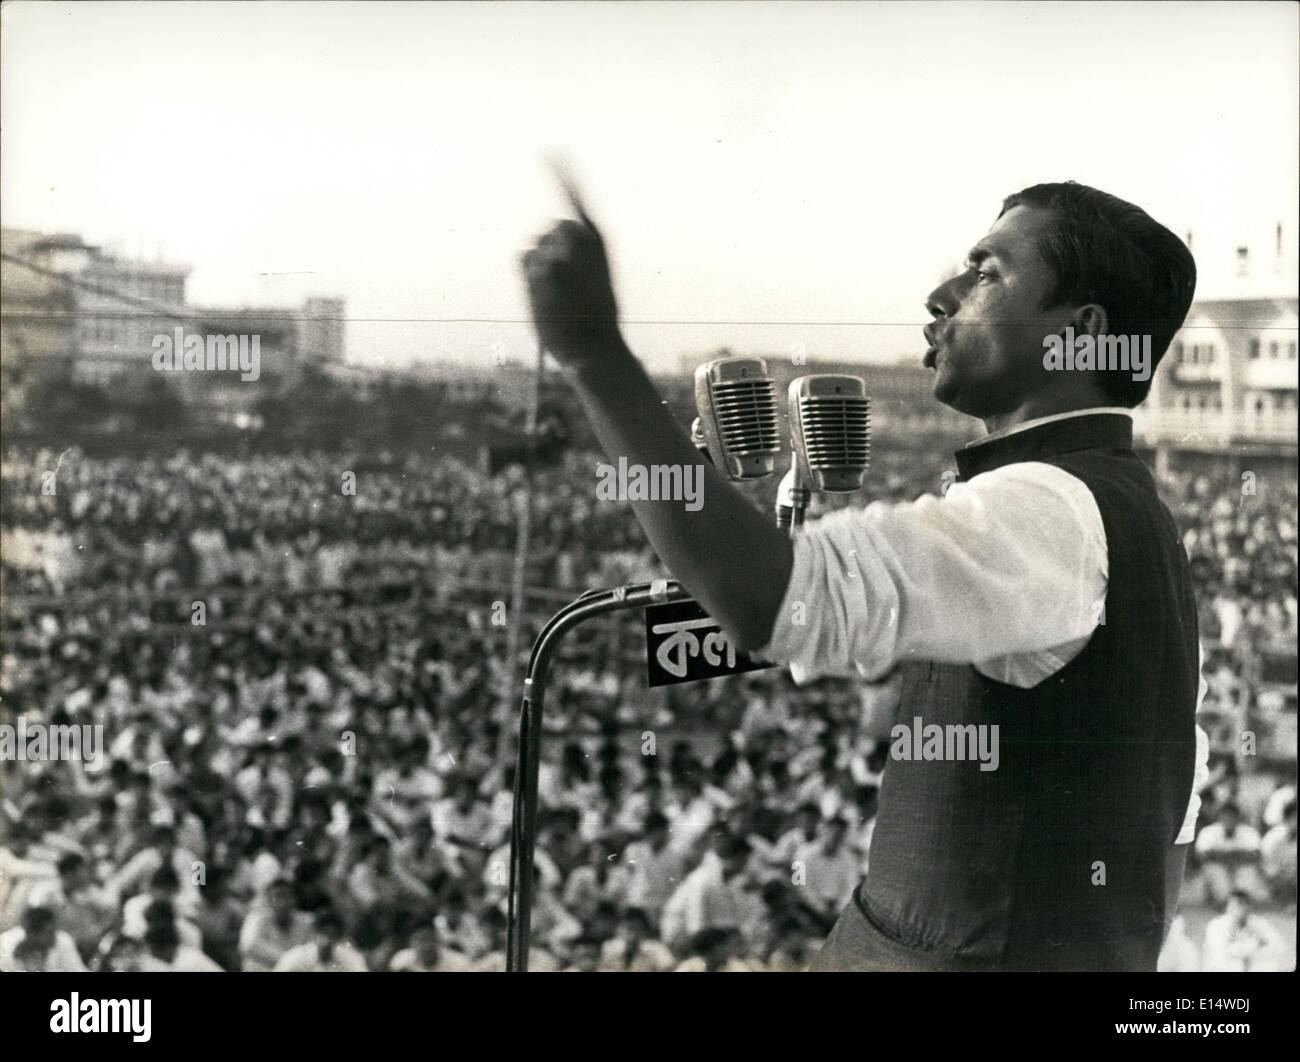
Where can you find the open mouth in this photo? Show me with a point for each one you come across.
(931, 344)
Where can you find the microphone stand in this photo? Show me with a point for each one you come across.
(792, 498)
(523, 830)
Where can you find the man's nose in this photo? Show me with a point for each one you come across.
(944, 300)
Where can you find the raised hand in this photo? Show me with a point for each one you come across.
(570, 290)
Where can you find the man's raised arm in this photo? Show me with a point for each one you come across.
(728, 554)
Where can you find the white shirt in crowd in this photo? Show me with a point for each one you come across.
(62, 957)
(134, 924)
(408, 961)
(306, 958)
(1241, 947)
(650, 957)
(1179, 953)
(185, 960)
(704, 900)
(830, 878)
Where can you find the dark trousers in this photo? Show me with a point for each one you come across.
(856, 944)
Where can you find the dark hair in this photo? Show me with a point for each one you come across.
(70, 862)
(731, 845)
(35, 919)
(160, 912)
(162, 936)
(1102, 249)
(711, 937)
(655, 820)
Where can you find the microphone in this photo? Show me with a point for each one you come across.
(830, 434)
(697, 439)
(737, 426)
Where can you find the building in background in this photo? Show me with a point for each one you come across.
(37, 316)
(321, 330)
(1226, 391)
(115, 335)
(73, 311)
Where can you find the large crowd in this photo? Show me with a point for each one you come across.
(299, 665)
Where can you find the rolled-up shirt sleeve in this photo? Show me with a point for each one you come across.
(1011, 564)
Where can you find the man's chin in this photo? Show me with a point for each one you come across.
(948, 392)
(945, 389)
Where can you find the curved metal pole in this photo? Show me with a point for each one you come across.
(523, 830)
(519, 574)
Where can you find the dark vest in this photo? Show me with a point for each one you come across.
(1057, 859)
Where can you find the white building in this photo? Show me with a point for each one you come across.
(1228, 383)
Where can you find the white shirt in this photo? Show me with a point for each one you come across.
(16, 876)
(186, 960)
(1232, 948)
(306, 958)
(408, 961)
(134, 924)
(651, 957)
(1216, 841)
(706, 899)
(1007, 573)
(1179, 954)
(830, 878)
(61, 958)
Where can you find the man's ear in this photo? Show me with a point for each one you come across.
(1091, 320)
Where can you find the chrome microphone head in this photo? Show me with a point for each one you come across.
(830, 429)
(736, 399)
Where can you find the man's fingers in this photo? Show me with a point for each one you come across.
(575, 202)
(569, 187)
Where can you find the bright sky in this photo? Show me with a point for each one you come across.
(760, 163)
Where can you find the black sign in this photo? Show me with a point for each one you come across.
(685, 644)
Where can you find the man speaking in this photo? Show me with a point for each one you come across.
(1046, 593)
